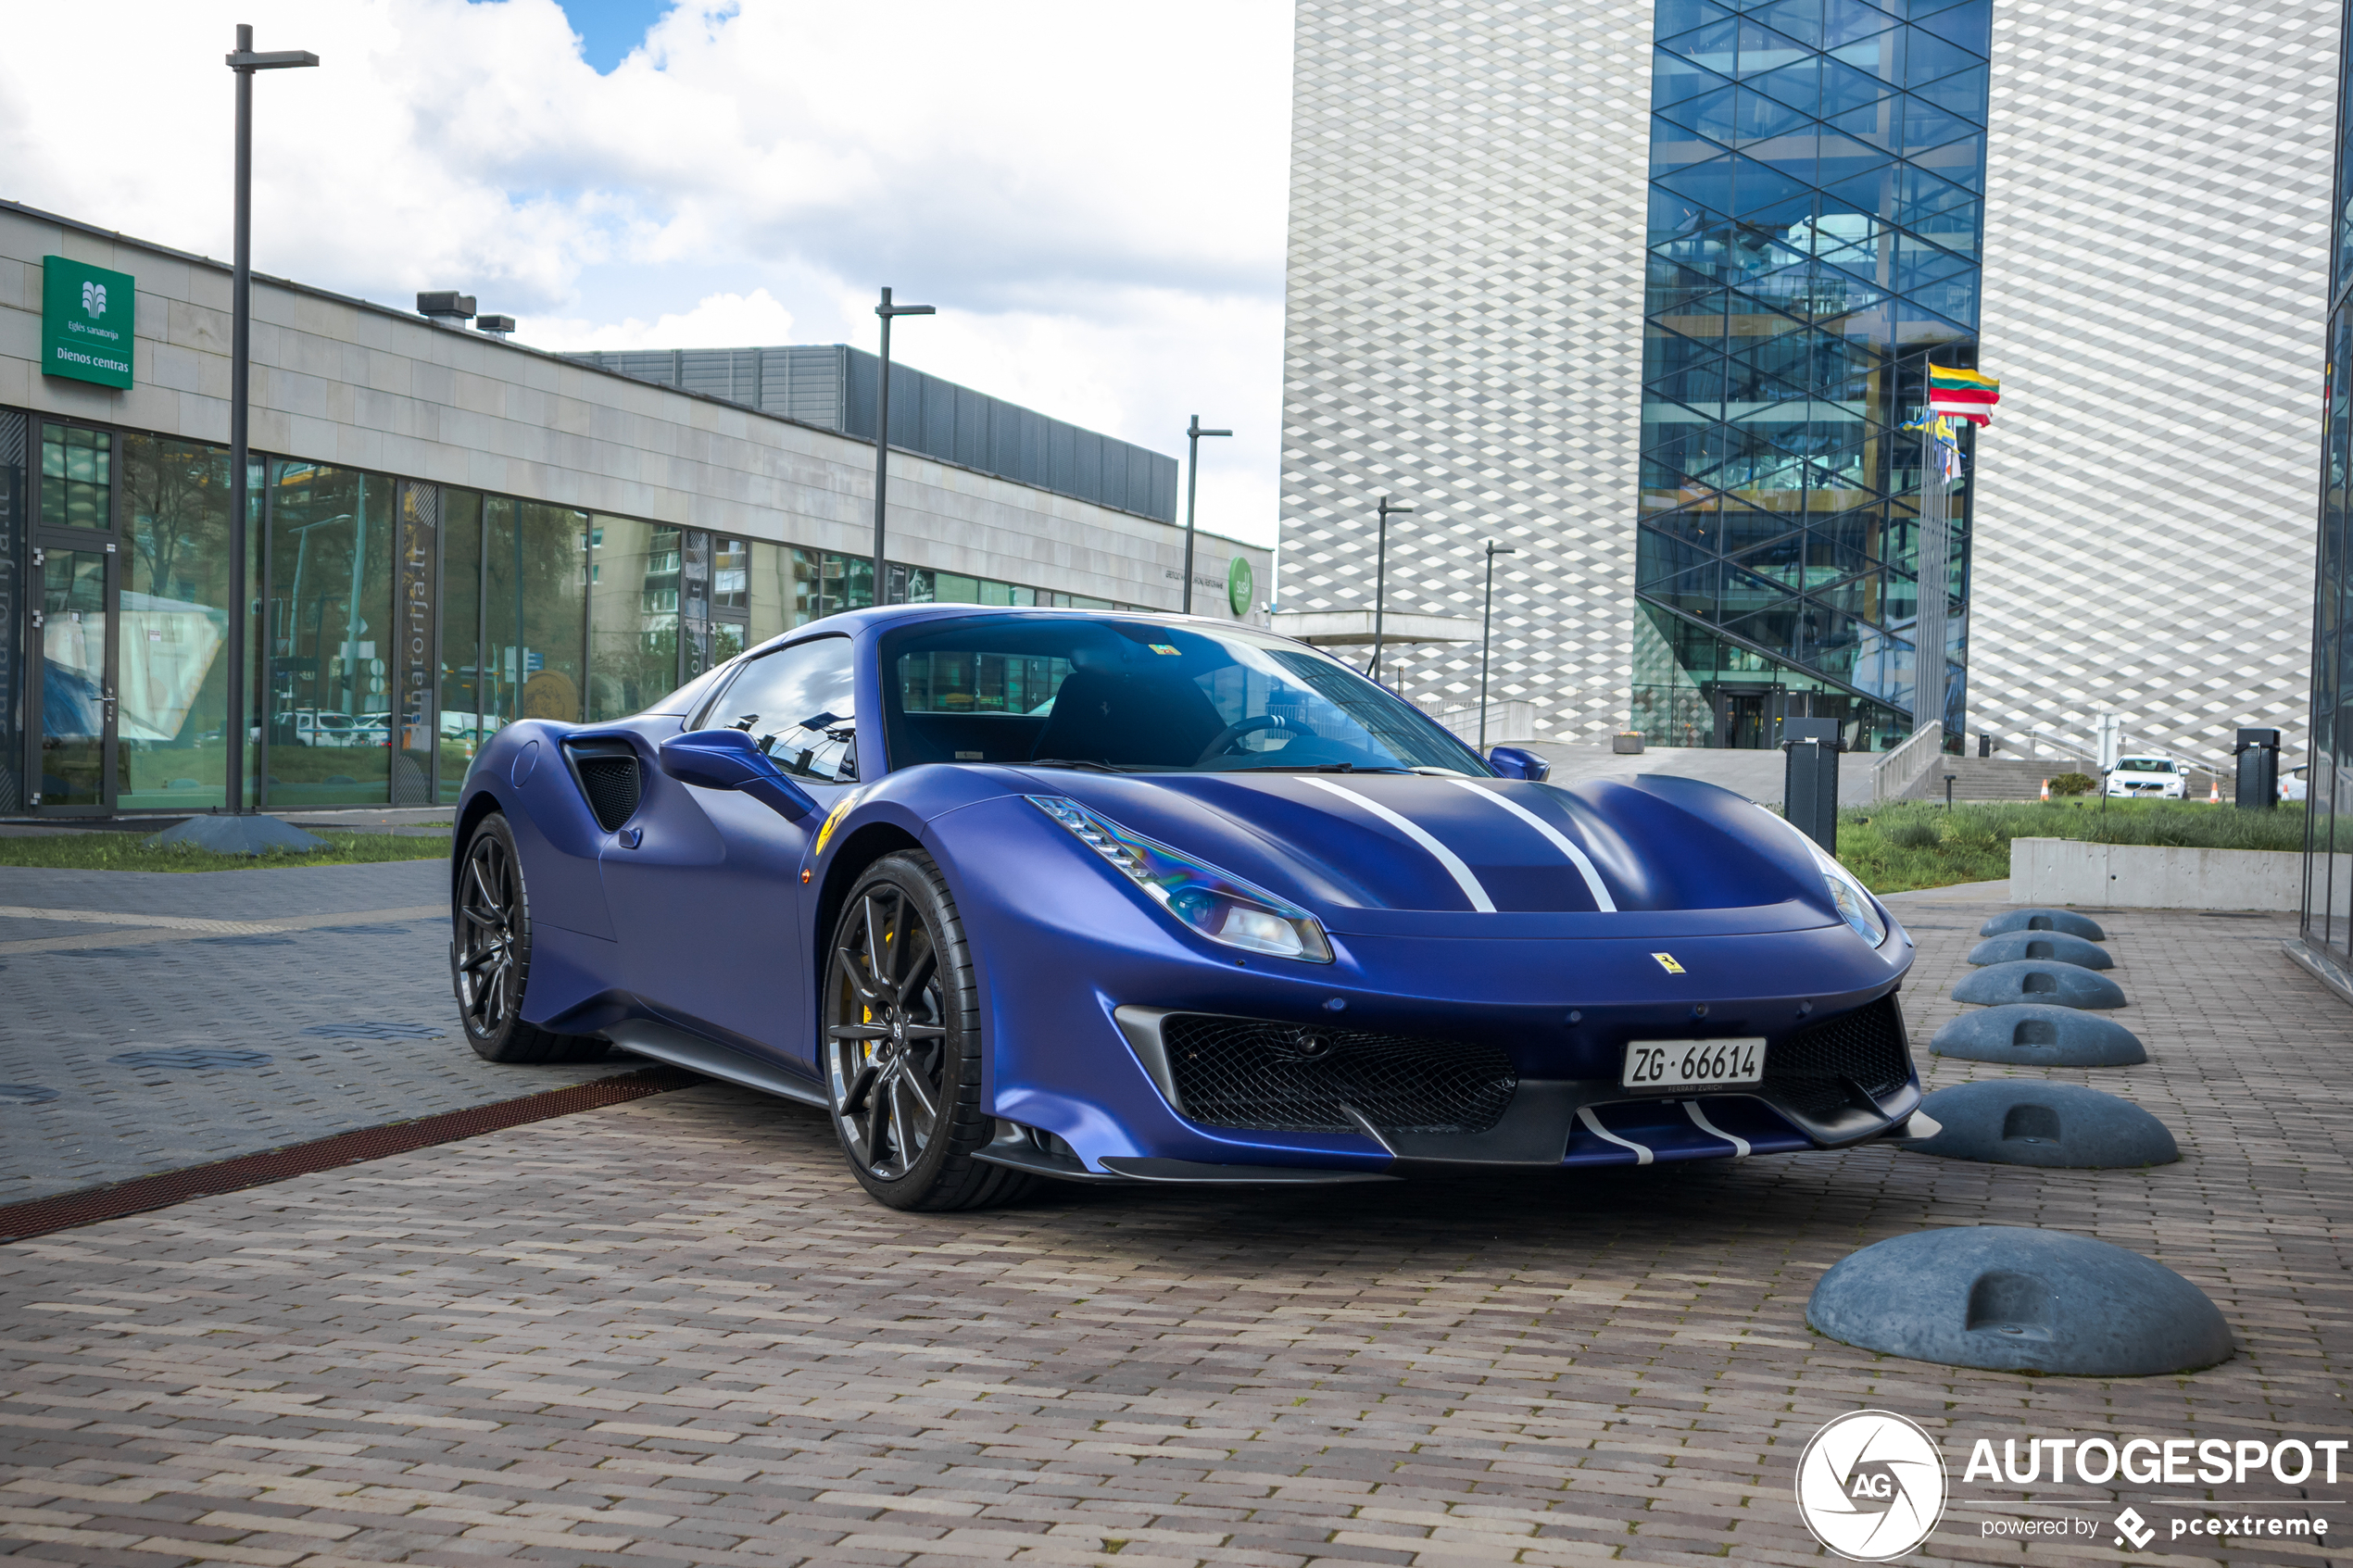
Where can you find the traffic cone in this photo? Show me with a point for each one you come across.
(2214, 792)
(2046, 792)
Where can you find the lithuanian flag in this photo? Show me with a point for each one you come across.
(1964, 395)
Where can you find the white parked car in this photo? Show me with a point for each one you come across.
(2152, 777)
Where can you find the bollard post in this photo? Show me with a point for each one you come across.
(2258, 754)
(1809, 780)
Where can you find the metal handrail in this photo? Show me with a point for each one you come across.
(1894, 772)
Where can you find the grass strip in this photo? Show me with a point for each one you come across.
(110, 851)
(1898, 845)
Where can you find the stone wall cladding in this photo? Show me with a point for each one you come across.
(2156, 252)
(1464, 332)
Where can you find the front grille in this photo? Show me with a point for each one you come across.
(609, 780)
(1808, 1071)
(1293, 1078)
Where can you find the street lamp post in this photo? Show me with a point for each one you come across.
(243, 62)
(1193, 433)
(886, 310)
(1388, 508)
(1486, 631)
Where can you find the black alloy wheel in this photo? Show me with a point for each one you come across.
(901, 1048)
(490, 956)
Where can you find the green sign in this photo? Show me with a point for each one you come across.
(1239, 585)
(86, 315)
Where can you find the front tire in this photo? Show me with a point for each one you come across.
(902, 1049)
(490, 956)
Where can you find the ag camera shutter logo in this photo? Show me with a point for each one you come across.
(1870, 1485)
(94, 298)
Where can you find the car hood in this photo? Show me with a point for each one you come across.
(1415, 853)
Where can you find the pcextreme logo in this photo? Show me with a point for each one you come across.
(94, 298)
(1870, 1485)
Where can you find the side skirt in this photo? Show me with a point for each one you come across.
(679, 1048)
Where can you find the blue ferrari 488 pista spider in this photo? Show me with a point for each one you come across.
(1011, 894)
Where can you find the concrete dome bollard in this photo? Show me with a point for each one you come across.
(2064, 921)
(2039, 979)
(2022, 1122)
(2037, 1035)
(2010, 1299)
(2014, 945)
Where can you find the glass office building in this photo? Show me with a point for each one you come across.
(395, 625)
(1817, 175)
(2325, 941)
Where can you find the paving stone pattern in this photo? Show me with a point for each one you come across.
(313, 1001)
(675, 1332)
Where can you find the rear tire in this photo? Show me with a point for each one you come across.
(490, 956)
(902, 1050)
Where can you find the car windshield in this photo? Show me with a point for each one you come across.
(1135, 697)
(2144, 765)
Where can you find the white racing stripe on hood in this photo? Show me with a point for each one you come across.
(1415, 831)
(1585, 868)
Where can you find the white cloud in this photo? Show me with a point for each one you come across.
(719, 320)
(1093, 193)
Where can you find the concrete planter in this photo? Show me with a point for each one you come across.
(2144, 876)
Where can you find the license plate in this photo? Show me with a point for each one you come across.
(1679, 1064)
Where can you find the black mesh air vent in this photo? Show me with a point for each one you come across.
(609, 780)
(1808, 1071)
(1289, 1078)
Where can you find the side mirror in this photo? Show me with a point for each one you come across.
(732, 760)
(1514, 762)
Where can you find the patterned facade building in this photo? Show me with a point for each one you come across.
(1648, 292)
(2157, 262)
(1465, 332)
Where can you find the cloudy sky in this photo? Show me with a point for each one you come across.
(1091, 190)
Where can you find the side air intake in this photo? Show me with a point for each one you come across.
(607, 774)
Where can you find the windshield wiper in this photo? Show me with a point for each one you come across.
(1072, 762)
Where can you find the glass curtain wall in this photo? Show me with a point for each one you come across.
(2328, 859)
(14, 689)
(633, 608)
(1817, 172)
(172, 632)
(535, 592)
(464, 690)
(77, 642)
(331, 635)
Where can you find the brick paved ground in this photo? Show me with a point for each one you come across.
(676, 1332)
(354, 953)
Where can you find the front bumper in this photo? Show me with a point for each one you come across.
(1075, 972)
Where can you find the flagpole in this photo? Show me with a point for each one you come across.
(1934, 561)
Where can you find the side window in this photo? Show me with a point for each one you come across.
(797, 703)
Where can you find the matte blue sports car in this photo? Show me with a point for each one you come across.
(1013, 893)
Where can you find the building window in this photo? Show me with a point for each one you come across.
(172, 674)
(330, 633)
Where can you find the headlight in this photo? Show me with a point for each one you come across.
(1854, 905)
(1222, 908)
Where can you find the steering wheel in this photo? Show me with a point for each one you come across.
(1225, 739)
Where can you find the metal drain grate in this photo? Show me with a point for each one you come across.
(27, 1094)
(377, 1029)
(244, 941)
(196, 1058)
(43, 1215)
(359, 930)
